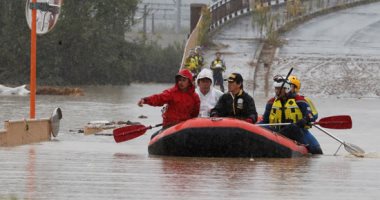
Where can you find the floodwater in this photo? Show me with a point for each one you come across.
(75, 166)
(337, 53)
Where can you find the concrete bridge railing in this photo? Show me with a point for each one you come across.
(224, 11)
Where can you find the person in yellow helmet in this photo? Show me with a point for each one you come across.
(313, 144)
(287, 107)
(295, 88)
(191, 63)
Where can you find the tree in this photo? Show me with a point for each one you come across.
(87, 46)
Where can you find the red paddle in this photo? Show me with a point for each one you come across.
(336, 122)
(126, 133)
(333, 122)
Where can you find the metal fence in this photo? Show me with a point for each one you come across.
(225, 10)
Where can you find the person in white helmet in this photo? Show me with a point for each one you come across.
(285, 108)
(208, 95)
(199, 56)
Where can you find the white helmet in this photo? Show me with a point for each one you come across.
(198, 49)
(279, 81)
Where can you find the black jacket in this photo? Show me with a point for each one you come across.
(241, 106)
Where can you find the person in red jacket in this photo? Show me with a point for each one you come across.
(181, 100)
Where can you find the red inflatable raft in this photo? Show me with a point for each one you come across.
(222, 137)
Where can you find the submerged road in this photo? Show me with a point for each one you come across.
(336, 54)
(237, 41)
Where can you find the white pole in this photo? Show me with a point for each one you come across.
(178, 20)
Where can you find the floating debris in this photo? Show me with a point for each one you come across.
(20, 90)
(104, 126)
(45, 90)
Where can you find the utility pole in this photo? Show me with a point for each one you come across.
(152, 23)
(33, 61)
(144, 18)
(178, 20)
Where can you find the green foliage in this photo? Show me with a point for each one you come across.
(260, 18)
(158, 65)
(294, 8)
(87, 46)
(265, 21)
(203, 37)
(14, 42)
(273, 37)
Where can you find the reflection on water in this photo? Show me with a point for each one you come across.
(74, 166)
(237, 176)
(31, 175)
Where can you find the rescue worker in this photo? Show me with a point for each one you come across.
(191, 63)
(199, 57)
(236, 102)
(208, 95)
(285, 108)
(295, 86)
(181, 100)
(218, 67)
(313, 144)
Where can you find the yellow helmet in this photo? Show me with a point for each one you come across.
(296, 82)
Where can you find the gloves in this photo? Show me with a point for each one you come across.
(249, 120)
(301, 123)
(214, 114)
(141, 102)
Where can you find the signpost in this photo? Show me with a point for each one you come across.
(41, 15)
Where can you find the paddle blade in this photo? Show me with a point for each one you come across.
(126, 133)
(336, 122)
(354, 150)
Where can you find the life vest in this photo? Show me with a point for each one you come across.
(313, 109)
(291, 109)
(192, 64)
(199, 60)
(215, 63)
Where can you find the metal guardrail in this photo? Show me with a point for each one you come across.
(225, 10)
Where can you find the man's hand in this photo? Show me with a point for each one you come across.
(249, 120)
(214, 114)
(141, 102)
(301, 123)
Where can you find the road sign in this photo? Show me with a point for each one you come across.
(47, 14)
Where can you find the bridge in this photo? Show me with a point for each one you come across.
(257, 46)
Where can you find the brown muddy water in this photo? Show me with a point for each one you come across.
(75, 166)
